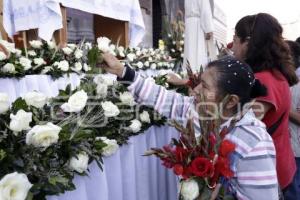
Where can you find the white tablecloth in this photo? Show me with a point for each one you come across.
(45, 15)
(127, 174)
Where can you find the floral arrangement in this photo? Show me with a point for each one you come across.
(45, 142)
(173, 40)
(203, 164)
(44, 58)
(143, 58)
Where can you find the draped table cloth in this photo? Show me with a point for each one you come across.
(126, 175)
(45, 15)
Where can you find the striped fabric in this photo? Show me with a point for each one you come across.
(253, 161)
(168, 103)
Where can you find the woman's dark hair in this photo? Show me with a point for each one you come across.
(267, 49)
(298, 40)
(236, 77)
(295, 51)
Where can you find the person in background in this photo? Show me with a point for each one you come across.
(258, 41)
(295, 50)
(293, 190)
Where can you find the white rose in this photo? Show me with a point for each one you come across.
(160, 64)
(138, 53)
(78, 54)
(120, 48)
(140, 65)
(103, 44)
(150, 59)
(63, 65)
(164, 72)
(37, 44)
(51, 44)
(145, 117)
(78, 67)
(169, 35)
(121, 53)
(110, 109)
(86, 67)
(130, 57)
(46, 69)
(35, 99)
(67, 50)
(20, 121)
(9, 68)
(110, 148)
(100, 79)
(101, 90)
(135, 125)
(39, 61)
(4, 102)
(25, 62)
(189, 189)
(153, 66)
(76, 102)
(72, 46)
(2, 56)
(88, 45)
(112, 47)
(182, 55)
(147, 64)
(181, 42)
(172, 65)
(43, 135)
(18, 52)
(31, 53)
(80, 162)
(14, 186)
(127, 98)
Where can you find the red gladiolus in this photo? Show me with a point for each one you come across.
(190, 84)
(223, 167)
(229, 45)
(167, 163)
(226, 148)
(187, 172)
(178, 169)
(202, 167)
(181, 154)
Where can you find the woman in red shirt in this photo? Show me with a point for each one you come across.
(258, 41)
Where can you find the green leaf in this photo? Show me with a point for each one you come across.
(94, 57)
(2, 154)
(29, 196)
(19, 104)
(58, 179)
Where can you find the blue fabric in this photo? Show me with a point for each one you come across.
(292, 192)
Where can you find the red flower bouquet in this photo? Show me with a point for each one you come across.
(200, 163)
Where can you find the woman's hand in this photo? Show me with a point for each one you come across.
(112, 65)
(175, 79)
